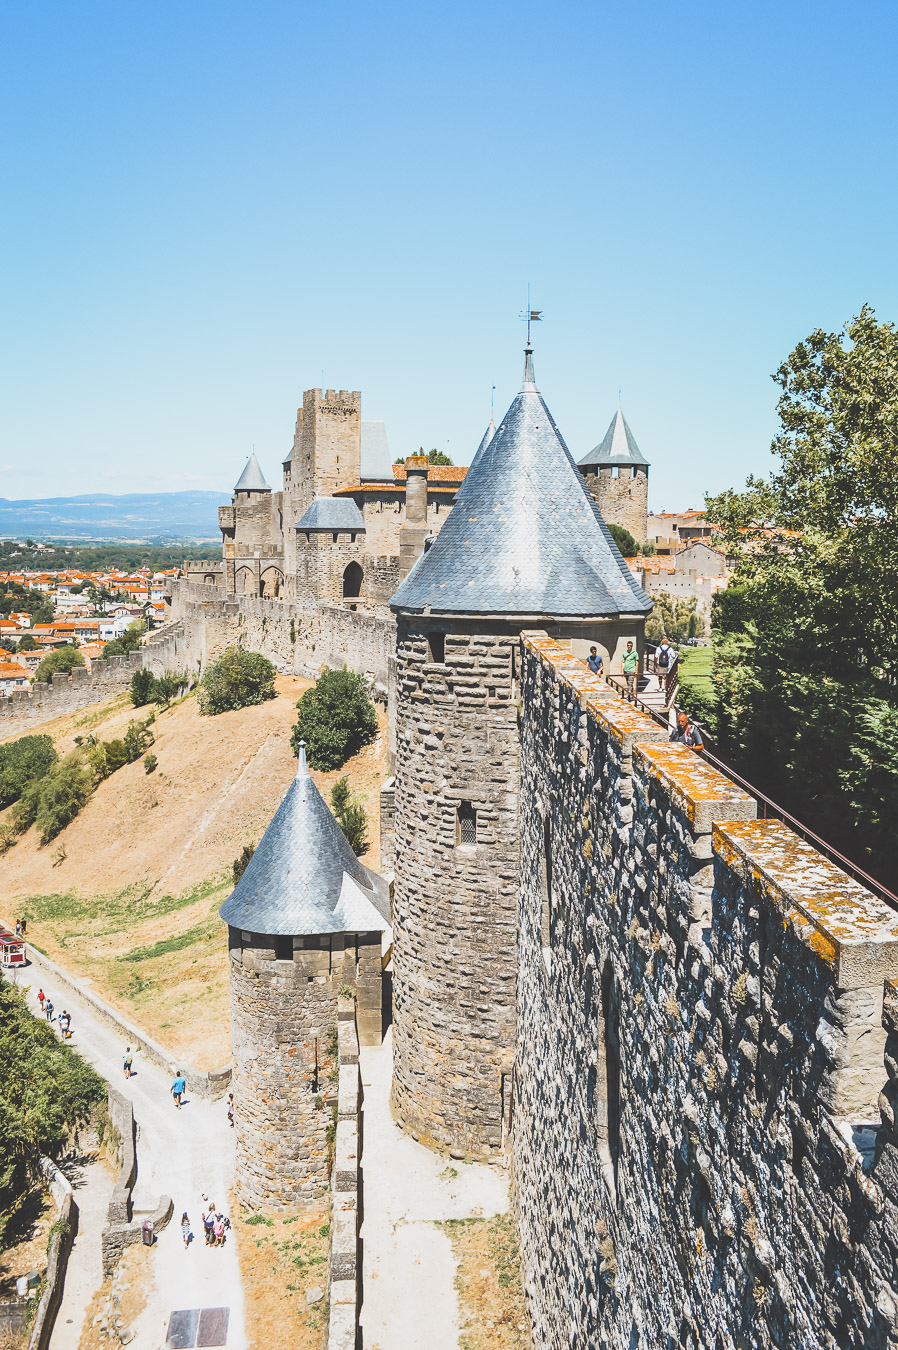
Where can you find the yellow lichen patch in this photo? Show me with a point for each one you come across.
(691, 783)
(617, 717)
(836, 917)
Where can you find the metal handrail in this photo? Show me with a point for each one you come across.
(770, 808)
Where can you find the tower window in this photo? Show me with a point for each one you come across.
(436, 648)
(633, 473)
(352, 581)
(615, 472)
(283, 948)
(466, 824)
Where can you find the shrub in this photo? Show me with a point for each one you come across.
(142, 682)
(46, 1092)
(236, 680)
(149, 763)
(21, 762)
(62, 795)
(239, 865)
(624, 540)
(62, 660)
(350, 816)
(336, 719)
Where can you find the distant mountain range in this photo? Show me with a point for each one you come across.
(95, 517)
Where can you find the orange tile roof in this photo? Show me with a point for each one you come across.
(437, 473)
(374, 488)
(10, 670)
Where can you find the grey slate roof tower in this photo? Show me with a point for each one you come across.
(305, 919)
(252, 479)
(617, 474)
(524, 545)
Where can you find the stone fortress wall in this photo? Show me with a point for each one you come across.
(707, 1016)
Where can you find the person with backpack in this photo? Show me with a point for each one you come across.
(126, 1062)
(686, 732)
(665, 658)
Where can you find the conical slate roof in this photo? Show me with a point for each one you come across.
(618, 446)
(304, 878)
(252, 479)
(525, 536)
(487, 437)
(325, 514)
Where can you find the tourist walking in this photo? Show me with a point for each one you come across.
(231, 1109)
(126, 1062)
(631, 666)
(48, 1009)
(178, 1088)
(218, 1230)
(665, 656)
(185, 1229)
(65, 1021)
(686, 732)
(18, 928)
(208, 1225)
(40, 998)
(594, 661)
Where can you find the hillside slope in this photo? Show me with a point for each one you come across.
(129, 893)
(98, 515)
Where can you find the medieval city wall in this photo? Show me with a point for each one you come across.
(704, 1032)
(297, 639)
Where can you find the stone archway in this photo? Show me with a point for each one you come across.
(353, 577)
(271, 583)
(245, 581)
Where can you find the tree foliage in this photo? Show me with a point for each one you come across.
(128, 642)
(61, 796)
(46, 1092)
(23, 762)
(149, 688)
(350, 815)
(336, 719)
(674, 617)
(624, 539)
(806, 663)
(239, 865)
(62, 660)
(237, 679)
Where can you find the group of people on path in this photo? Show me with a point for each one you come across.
(685, 732)
(215, 1225)
(63, 1021)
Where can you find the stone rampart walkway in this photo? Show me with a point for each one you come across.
(409, 1298)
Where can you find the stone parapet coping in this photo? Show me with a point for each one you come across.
(619, 719)
(701, 792)
(849, 928)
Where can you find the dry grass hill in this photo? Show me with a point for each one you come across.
(128, 895)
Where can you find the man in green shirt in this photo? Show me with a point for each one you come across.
(631, 666)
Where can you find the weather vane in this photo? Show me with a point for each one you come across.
(530, 315)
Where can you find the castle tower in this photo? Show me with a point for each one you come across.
(251, 484)
(305, 919)
(415, 530)
(524, 544)
(617, 475)
(330, 443)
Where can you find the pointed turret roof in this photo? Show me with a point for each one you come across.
(618, 446)
(525, 536)
(304, 878)
(487, 437)
(252, 479)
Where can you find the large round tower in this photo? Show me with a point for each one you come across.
(305, 919)
(524, 546)
(617, 474)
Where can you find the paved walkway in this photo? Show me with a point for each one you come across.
(92, 1183)
(184, 1154)
(409, 1297)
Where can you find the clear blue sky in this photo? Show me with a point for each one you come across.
(204, 205)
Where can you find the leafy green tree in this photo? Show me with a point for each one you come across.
(149, 763)
(27, 643)
(62, 660)
(142, 682)
(63, 793)
(437, 457)
(624, 540)
(46, 1092)
(128, 642)
(336, 718)
(22, 762)
(236, 680)
(350, 816)
(805, 658)
(674, 616)
(239, 865)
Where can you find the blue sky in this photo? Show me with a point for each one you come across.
(204, 206)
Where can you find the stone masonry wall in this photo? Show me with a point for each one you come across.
(622, 500)
(701, 1051)
(299, 640)
(283, 1019)
(454, 905)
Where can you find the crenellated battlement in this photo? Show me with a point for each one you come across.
(703, 1070)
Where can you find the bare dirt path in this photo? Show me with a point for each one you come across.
(92, 1181)
(410, 1298)
(184, 1154)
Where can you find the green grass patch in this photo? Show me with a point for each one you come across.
(117, 912)
(97, 715)
(201, 932)
(260, 1218)
(696, 664)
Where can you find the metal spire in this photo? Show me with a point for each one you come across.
(302, 768)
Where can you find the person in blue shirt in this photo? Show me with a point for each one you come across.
(594, 661)
(178, 1087)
